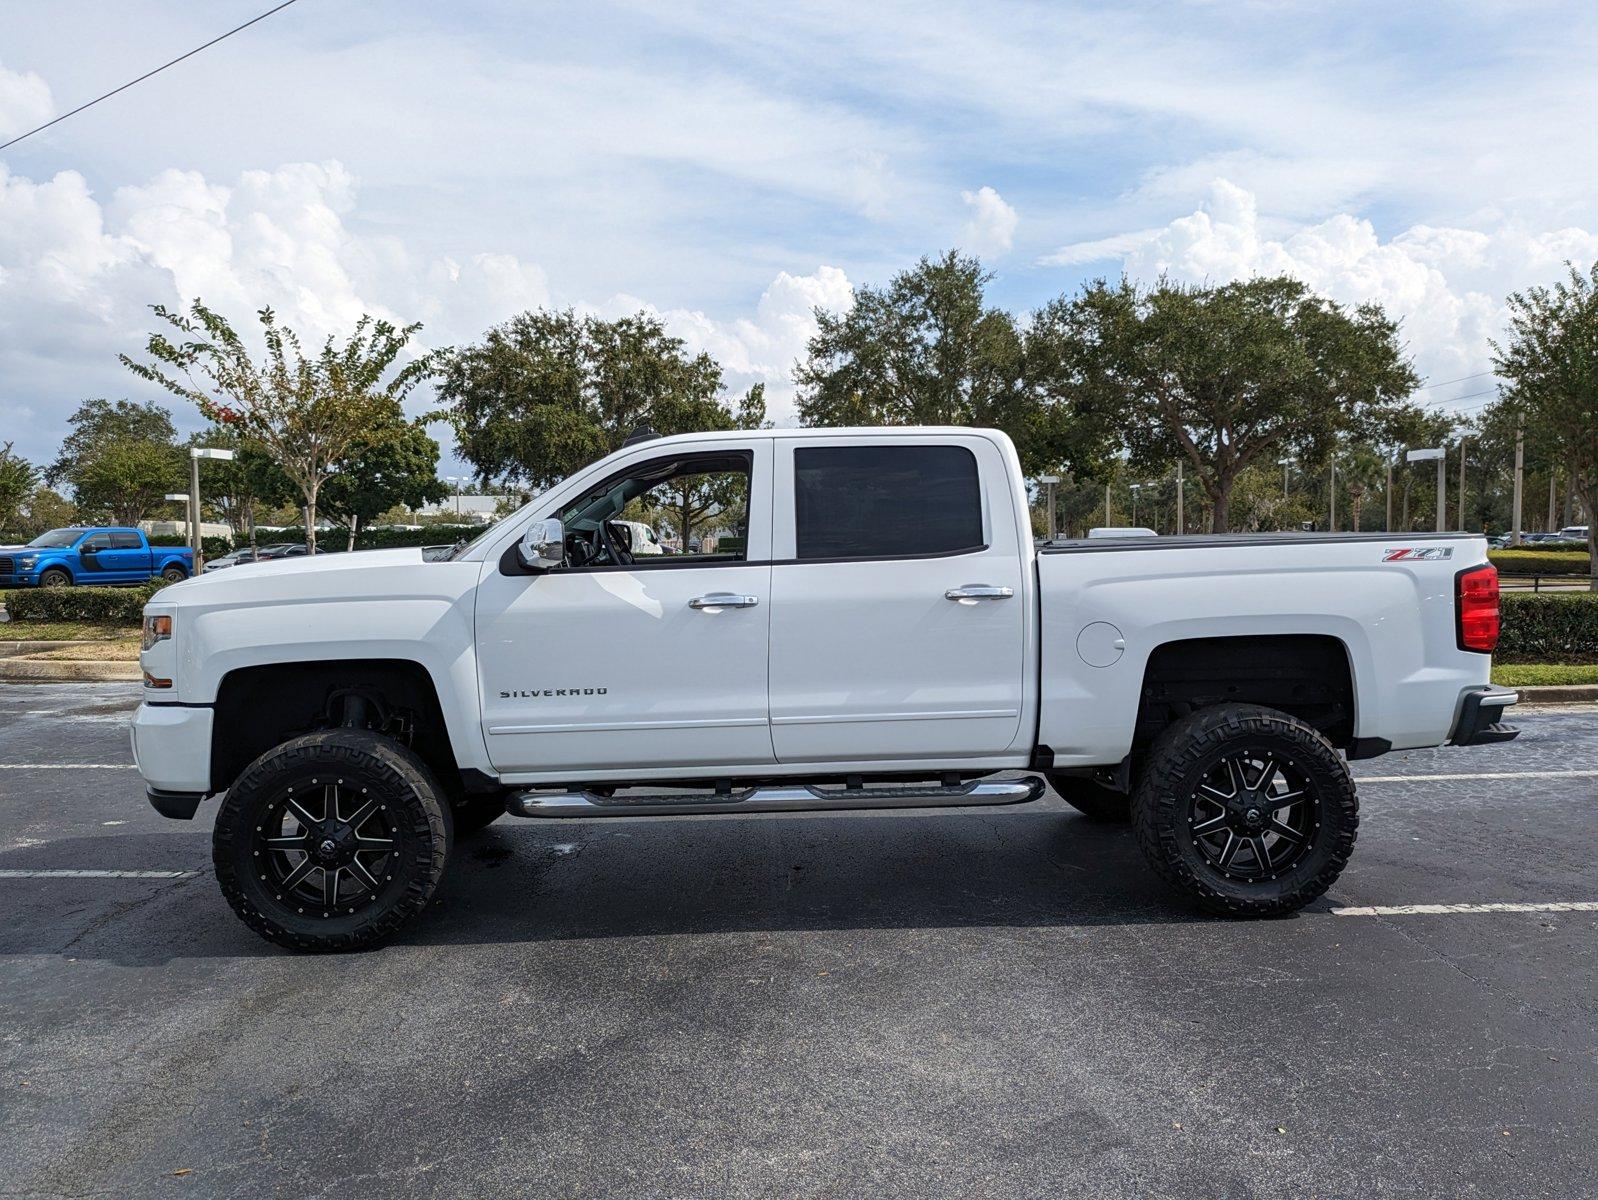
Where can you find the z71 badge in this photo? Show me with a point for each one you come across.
(1417, 553)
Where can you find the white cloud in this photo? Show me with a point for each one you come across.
(1446, 284)
(762, 348)
(990, 231)
(25, 102)
(77, 277)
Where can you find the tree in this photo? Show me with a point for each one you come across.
(119, 459)
(126, 478)
(925, 350)
(1550, 365)
(399, 467)
(17, 481)
(1230, 376)
(44, 510)
(305, 413)
(549, 392)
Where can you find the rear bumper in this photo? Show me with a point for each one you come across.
(172, 748)
(1480, 714)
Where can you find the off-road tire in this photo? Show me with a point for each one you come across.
(174, 574)
(55, 577)
(477, 812)
(1093, 800)
(1178, 762)
(422, 830)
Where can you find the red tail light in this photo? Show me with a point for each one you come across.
(1476, 607)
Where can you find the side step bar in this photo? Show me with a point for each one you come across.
(796, 798)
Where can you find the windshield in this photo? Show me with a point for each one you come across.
(57, 538)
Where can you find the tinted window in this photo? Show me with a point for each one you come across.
(99, 541)
(885, 501)
(126, 541)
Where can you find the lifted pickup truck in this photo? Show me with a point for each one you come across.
(874, 628)
(96, 554)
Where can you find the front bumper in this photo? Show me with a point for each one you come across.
(172, 750)
(1479, 713)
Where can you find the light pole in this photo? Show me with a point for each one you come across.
(1048, 482)
(1136, 488)
(1179, 513)
(1287, 465)
(1441, 456)
(1331, 499)
(196, 453)
(457, 480)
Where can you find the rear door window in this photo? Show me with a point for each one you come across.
(886, 501)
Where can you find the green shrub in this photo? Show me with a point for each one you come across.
(112, 605)
(329, 540)
(1557, 627)
(1540, 562)
(213, 547)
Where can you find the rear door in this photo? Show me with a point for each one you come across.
(899, 600)
(128, 558)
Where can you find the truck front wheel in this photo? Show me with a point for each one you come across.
(55, 577)
(331, 841)
(1246, 809)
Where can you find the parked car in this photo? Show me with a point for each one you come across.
(92, 555)
(886, 636)
(232, 558)
(1576, 533)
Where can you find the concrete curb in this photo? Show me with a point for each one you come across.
(70, 670)
(1564, 693)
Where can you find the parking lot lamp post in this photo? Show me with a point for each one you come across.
(1179, 514)
(196, 453)
(1440, 455)
(1136, 488)
(1048, 482)
(1287, 465)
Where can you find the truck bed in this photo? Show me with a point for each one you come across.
(1386, 600)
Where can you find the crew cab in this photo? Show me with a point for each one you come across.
(92, 555)
(873, 628)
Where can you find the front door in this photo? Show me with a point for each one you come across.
(620, 663)
(899, 601)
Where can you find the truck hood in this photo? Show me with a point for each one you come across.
(332, 575)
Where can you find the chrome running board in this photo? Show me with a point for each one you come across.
(795, 798)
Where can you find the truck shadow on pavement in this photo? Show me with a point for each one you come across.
(519, 882)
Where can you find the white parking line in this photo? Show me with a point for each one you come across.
(67, 767)
(18, 874)
(1440, 910)
(1479, 775)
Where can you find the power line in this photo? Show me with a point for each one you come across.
(1461, 379)
(147, 74)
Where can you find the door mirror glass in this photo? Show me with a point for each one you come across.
(543, 546)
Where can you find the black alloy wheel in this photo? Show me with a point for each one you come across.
(331, 841)
(1248, 810)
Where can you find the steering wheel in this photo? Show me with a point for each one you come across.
(610, 544)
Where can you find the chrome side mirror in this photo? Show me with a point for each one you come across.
(543, 546)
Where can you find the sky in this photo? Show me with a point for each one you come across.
(732, 167)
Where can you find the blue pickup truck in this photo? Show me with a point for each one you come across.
(94, 554)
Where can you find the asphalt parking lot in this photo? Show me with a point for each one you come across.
(1001, 1003)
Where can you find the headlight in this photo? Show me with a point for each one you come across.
(26, 561)
(156, 629)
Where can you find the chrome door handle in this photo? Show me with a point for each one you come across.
(978, 591)
(723, 600)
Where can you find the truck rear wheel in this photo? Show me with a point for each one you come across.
(1094, 799)
(1246, 809)
(174, 574)
(331, 841)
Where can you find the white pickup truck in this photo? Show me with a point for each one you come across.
(865, 622)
